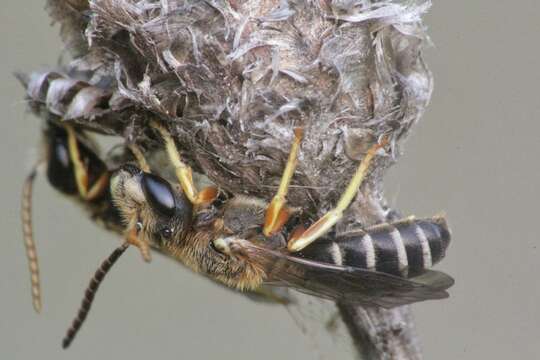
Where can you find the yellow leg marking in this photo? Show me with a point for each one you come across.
(81, 173)
(99, 186)
(325, 223)
(183, 171)
(31, 253)
(277, 214)
(141, 160)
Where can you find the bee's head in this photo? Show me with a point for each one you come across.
(161, 211)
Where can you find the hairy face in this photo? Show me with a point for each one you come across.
(164, 217)
(149, 201)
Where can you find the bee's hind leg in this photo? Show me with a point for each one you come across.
(300, 240)
(277, 212)
(183, 171)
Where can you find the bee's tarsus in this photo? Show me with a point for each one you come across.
(276, 216)
(277, 213)
(139, 156)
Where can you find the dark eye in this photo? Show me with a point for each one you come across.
(159, 194)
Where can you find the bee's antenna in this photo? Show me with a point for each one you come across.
(90, 293)
(30, 245)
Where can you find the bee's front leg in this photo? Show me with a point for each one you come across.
(183, 171)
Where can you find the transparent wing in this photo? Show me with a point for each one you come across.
(345, 284)
(321, 323)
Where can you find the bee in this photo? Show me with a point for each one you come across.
(73, 168)
(247, 245)
(245, 242)
(368, 267)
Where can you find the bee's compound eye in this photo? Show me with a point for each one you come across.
(159, 194)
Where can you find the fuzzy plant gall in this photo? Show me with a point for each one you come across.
(232, 79)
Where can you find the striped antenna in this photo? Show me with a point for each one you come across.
(30, 245)
(90, 293)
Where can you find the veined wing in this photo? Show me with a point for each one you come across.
(342, 283)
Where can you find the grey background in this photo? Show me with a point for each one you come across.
(473, 155)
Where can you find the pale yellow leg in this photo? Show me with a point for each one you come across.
(183, 171)
(141, 160)
(81, 172)
(277, 214)
(325, 223)
(99, 186)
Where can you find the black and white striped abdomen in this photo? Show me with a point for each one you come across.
(405, 248)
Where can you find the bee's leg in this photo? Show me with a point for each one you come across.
(99, 186)
(277, 213)
(31, 253)
(183, 171)
(132, 238)
(141, 160)
(81, 174)
(325, 223)
(134, 226)
(81, 171)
